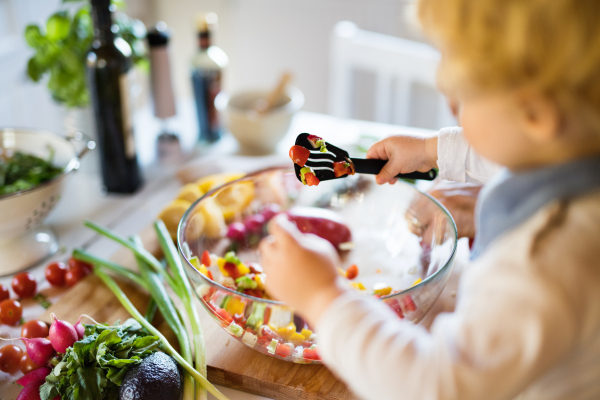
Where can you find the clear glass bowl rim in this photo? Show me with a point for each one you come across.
(183, 222)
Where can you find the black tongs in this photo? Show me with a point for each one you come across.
(321, 162)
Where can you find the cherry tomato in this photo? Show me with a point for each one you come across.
(34, 329)
(55, 273)
(74, 275)
(74, 264)
(26, 365)
(352, 272)
(4, 294)
(10, 358)
(10, 312)
(24, 285)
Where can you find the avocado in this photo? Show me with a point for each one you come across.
(157, 377)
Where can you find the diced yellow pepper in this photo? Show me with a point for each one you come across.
(341, 272)
(307, 333)
(381, 289)
(200, 267)
(260, 284)
(243, 269)
(358, 285)
(416, 282)
(296, 338)
(221, 264)
(286, 332)
(235, 306)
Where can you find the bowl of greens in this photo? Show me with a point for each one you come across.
(33, 165)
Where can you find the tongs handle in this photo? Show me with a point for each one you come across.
(374, 167)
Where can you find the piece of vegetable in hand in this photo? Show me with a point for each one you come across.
(317, 142)
(341, 168)
(323, 223)
(62, 335)
(56, 273)
(10, 358)
(299, 155)
(4, 293)
(24, 285)
(10, 312)
(34, 329)
(307, 176)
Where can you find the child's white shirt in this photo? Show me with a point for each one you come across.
(526, 324)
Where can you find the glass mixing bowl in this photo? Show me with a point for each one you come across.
(403, 243)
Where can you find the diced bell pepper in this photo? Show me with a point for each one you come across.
(283, 350)
(382, 289)
(299, 155)
(245, 282)
(272, 346)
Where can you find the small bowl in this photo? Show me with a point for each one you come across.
(23, 240)
(258, 133)
(402, 237)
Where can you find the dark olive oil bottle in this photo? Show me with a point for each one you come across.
(109, 65)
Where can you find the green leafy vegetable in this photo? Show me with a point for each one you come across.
(94, 367)
(24, 171)
(61, 49)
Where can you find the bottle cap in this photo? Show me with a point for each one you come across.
(159, 35)
(206, 22)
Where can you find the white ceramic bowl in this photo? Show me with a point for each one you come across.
(258, 133)
(23, 240)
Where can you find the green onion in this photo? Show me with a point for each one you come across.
(169, 312)
(112, 285)
(174, 262)
(151, 310)
(138, 250)
(89, 258)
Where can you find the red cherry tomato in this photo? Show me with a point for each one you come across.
(24, 285)
(74, 264)
(352, 272)
(55, 273)
(10, 358)
(34, 329)
(299, 155)
(26, 365)
(10, 312)
(74, 275)
(4, 293)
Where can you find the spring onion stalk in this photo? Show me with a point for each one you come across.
(174, 262)
(169, 312)
(89, 258)
(137, 249)
(151, 310)
(112, 285)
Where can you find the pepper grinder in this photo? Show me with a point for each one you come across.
(168, 144)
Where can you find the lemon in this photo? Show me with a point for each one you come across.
(214, 223)
(234, 199)
(172, 214)
(210, 182)
(190, 192)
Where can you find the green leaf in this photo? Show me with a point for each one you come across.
(33, 36)
(49, 389)
(35, 70)
(146, 345)
(57, 26)
(88, 383)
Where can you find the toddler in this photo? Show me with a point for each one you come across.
(527, 319)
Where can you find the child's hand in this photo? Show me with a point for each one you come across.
(300, 269)
(406, 153)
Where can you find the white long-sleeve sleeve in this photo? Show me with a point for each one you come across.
(522, 327)
(457, 161)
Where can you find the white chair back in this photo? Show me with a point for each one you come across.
(404, 71)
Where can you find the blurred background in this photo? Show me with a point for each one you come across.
(262, 38)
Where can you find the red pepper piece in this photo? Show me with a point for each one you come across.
(254, 292)
(240, 320)
(339, 168)
(232, 270)
(352, 272)
(409, 304)
(255, 268)
(282, 350)
(395, 306)
(206, 259)
(267, 316)
(224, 315)
(299, 155)
(263, 340)
(250, 330)
(310, 354)
(311, 179)
(210, 275)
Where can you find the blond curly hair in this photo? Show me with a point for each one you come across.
(550, 46)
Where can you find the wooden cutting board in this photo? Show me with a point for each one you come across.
(230, 363)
